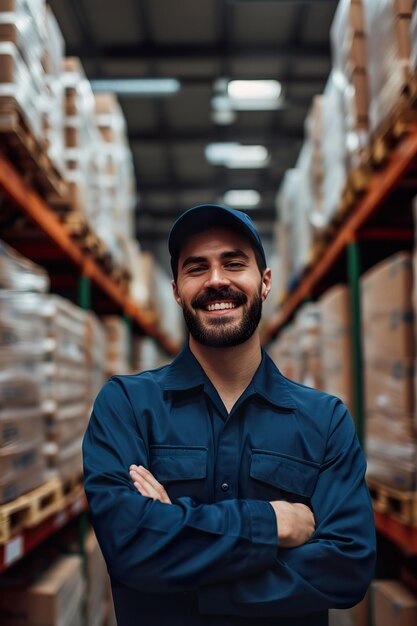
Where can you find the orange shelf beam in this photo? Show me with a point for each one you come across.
(404, 536)
(30, 203)
(381, 185)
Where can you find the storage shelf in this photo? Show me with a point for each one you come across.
(381, 185)
(404, 536)
(32, 205)
(27, 539)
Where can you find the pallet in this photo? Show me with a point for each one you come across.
(30, 509)
(27, 152)
(400, 121)
(400, 505)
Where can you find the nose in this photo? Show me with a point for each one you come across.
(217, 278)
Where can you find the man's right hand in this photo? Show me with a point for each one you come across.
(295, 523)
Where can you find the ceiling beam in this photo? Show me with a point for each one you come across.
(169, 187)
(280, 136)
(172, 52)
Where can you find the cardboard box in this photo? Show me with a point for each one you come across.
(393, 604)
(356, 616)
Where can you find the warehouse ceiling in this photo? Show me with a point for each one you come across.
(199, 42)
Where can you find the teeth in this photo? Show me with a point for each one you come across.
(219, 306)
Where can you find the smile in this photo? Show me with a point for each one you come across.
(220, 306)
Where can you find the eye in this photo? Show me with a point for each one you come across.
(196, 269)
(235, 265)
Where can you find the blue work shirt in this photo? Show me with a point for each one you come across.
(212, 556)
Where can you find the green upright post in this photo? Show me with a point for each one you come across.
(357, 369)
(84, 292)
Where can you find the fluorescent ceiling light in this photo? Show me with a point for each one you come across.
(137, 86)
(254, 89)
(254, 95)
(236, 155)
(242, 198)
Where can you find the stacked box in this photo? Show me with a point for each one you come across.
(95, 356)
(55, 598)
(282, 352)
(387, 25)
(170, 317)
(22, 342)
(307, 346)
(117, 350)
(333, 148)
(335, 339)
(349, 60)
(53, 109)
(66, 386)
(393, 604)
(358, 615)
(97, 582)
(314, 134)
(413, 36)
(388, 351)
(81, 139)
(22, 37)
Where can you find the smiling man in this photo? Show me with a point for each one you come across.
(222, 493)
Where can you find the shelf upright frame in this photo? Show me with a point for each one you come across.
(354, 271)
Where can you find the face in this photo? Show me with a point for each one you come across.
(220, 288)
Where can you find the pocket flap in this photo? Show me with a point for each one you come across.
(286, 473)
(172, 463)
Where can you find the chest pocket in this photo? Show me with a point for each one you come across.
(278, 476)
(181, 469)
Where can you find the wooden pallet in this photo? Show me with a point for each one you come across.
(27, 152)
(30, 509)
(400, 505)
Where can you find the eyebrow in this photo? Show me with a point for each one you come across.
(229, 254)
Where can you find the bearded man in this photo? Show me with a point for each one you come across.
(222, 493)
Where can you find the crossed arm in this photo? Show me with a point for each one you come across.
(295, 521)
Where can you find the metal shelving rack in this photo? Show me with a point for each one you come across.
(60, 245)
(382, 185)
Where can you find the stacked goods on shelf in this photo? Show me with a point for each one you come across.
(22, 344)
(393, 604)
(314, 134)
(22, 85)
(66, 386)
(387, 25)
(286, 200)
(115, 222)
(282, 352)
(413, 36)
(95, 347)
(54, 598)
(333, 148)
(356, 616)
(349, 62)
(117, 347)
(335, 344)
(81, 138)
(307, 346)
(97, 582)
(53, 108)
(388, 359)
(170, 317)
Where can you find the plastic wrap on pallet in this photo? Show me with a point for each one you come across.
(19, 273)
(349, 61)
(53, 56)
(333, 147)
(389, 48)
(335, 340)
(20, 28)
(17, 84)
(307, 346)
(314, 134)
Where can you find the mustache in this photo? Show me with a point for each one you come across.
(210, 295)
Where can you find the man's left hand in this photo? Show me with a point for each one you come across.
(147, 485)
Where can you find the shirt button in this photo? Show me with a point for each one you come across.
(224, 487)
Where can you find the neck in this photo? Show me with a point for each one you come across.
(229, 369)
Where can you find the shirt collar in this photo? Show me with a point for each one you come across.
(185, 372)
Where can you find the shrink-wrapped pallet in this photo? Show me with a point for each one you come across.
(335, 343)
(117, 351)
(19, 273)
(307, 346)
(388, 350)
(349, 61)
(387, 25)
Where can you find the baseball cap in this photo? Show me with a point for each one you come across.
(204, 216)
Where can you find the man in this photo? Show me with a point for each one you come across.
(221, 492)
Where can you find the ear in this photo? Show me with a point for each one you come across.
(175, 291)
(266, 283)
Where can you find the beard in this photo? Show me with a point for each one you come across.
(223, 332)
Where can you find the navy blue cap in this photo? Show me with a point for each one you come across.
(205, 216)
